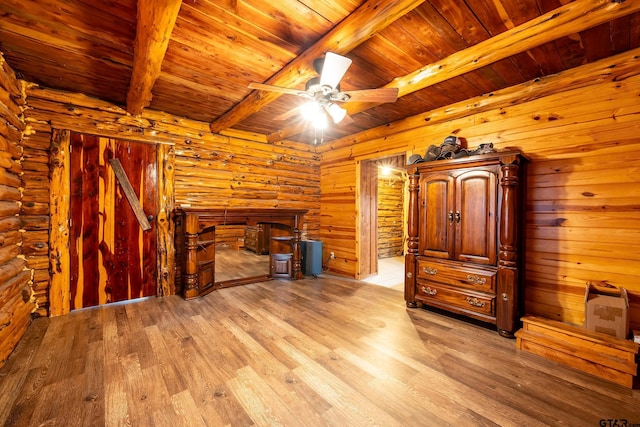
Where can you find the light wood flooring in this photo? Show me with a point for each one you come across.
(311, 352)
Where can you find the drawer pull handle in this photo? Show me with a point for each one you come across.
(476, 280)
(429, 270)
(429, 291)
(475, 302)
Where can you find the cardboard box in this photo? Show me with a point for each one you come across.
(606, 309)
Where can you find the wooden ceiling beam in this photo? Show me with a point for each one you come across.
(156, 19)
(569, 19)
(365, 22)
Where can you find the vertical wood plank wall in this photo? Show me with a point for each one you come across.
(581, 130)
(233, 170)
(338, 216)
(367, 224)
(16, 302)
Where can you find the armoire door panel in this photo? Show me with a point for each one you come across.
(475, 217)
(436, 221)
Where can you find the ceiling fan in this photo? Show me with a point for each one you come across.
(324, 93)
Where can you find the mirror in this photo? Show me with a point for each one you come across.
(242, 252)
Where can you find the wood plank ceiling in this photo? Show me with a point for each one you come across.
(195, 58)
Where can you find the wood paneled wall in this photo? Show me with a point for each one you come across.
(581, 130)
(16, 302)
(232, 170)
(235, 171)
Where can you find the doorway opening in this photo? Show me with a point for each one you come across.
(383, 188)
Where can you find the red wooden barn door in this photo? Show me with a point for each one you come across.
(112, 257)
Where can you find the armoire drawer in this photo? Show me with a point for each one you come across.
(442, 295)
(479, 279)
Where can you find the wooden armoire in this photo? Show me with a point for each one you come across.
(465, 232)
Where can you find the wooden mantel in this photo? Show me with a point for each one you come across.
(191, 223)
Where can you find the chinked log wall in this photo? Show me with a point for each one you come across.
(580, 128)
(16, 302)
(391, 221)
(232, 170)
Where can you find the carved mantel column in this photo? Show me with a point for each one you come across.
(192, 229)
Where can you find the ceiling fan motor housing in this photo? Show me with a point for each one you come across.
(316, 90)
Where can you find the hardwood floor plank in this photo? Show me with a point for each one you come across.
(261, 402)
(116, 399)
(140, 345)
(205, 381)
(377, 387)
(14, 373)
(186, 412)
(443, 396)
(553, 412)
(93, 396)
(317, 352)
(356, 409)
(169, 366)
(47, 411)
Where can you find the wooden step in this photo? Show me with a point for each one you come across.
(598, 354)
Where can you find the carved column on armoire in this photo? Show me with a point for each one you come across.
(508, 256)
(191, 229)
(412, 244)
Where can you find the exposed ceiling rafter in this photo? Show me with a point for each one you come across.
(156, 19)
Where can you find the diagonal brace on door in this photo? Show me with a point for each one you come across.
(130, 194)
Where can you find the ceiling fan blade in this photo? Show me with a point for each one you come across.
(288, 114)
(346, 121)
(271, 88)
(381, 95)
(333, 69)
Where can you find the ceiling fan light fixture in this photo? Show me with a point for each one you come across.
(320, 121)
(336, 112)
(324, 94)
(310, 110)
